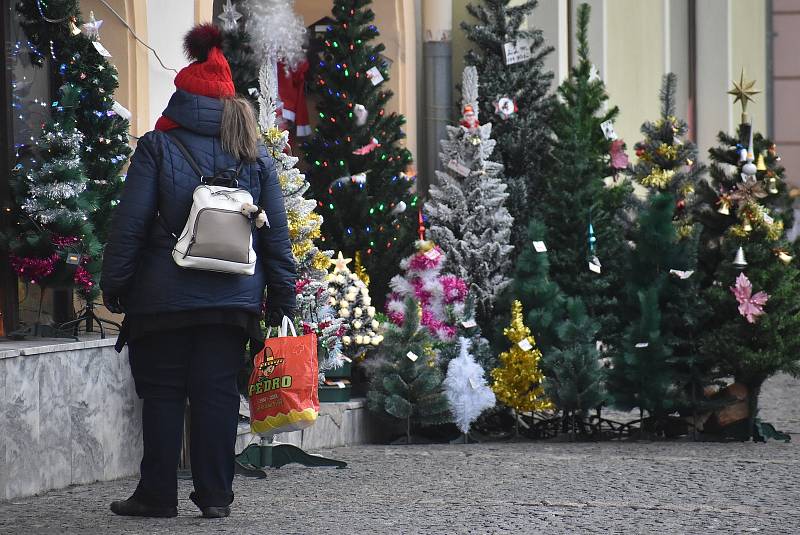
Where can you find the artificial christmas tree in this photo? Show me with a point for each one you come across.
(78, 58)
(466, 388)
(519, 381)
(467, 213)
(657, 368)
(581, 214)
(357, 163)
(54, 243)
(515, 91)
(743, 214)
(405, 382)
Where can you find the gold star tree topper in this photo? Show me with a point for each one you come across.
(340, 263)
(744, 90)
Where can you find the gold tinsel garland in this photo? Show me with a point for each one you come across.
(518, 380)
(658, 178)
(667, 151)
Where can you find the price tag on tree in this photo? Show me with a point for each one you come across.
(340, 384)
(433, 254)
(459, 168)
(683, 275)
(101, 49)
(594, 268)
(375, 76)
(517, 51)
(539, 247)
(412, 356)
(608, 130)
(525, 345)
(642, 345)
(469, 324)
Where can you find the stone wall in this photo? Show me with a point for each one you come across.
(68, 415)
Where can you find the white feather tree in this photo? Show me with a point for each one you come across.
(466, 388)
(467, 208)
(277, 33)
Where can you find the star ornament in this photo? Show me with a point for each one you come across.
(229, 16)
(743, 90)
(340, 263)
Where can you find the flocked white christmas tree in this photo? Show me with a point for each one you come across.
(466, 388)
(350, 297)
(467, 210)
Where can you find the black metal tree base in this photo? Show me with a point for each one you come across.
(268, 454)
(88, 315)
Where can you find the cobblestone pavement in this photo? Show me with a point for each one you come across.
(519, 487)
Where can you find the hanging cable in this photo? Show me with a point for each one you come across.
(133, 33)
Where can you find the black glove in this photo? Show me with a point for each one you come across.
(273, 317)
(113, 304)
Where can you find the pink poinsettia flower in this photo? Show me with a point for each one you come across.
(750, 306)
(619, 158)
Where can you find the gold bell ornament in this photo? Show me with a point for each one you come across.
(747, 227)
(772, 185)
(73, 28)
(783, 256)
(724, 207)
(761, 165)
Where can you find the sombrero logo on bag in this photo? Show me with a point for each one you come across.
(266, 381)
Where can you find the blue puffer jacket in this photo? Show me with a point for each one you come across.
(138, 265)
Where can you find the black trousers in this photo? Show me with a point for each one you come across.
(199, 363)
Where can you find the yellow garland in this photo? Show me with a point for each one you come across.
(518, 380)
(658, 178)
(668, 151)
(359, 270)
(321, 261)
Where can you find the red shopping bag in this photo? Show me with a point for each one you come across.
(283, 385)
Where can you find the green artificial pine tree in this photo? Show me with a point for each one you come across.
(657, 369)
(516, 93)
(76, 60)
(749, 269)
(355, 156)
(405, 382)
(237, 45)
(574, 379)
(54, 241)
(582, 215)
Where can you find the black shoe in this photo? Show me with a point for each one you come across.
(133, 507)
(216, 512)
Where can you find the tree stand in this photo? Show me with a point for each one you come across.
(88, 315)
(269, 454)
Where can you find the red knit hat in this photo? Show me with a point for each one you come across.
(209, 75)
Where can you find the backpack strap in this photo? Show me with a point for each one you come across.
(186, 154)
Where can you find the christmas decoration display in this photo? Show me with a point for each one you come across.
(466, 388)
(518, 382)
(467, 210)
(744, 210)
(359, 215)
(518, 93)
(350, 297)
(54, 242)
(276, 32)
(237, 45)
(405, 382)
(81, 61)
(580, 212)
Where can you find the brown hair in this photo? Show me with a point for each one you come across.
(239, 130)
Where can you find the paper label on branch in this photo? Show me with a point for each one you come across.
(459, 168)
(594, 268)
(473, 383)
(768, 219)
(101, 49)
(321, 28)
(73, 259)
(340, 384)
(469, 324)
(539, 247)
(608, 130)
(433, 254)
(412, 356)
(122, 111)
(517, 51)
(375, 76)
(525, 345)
(642, 345)
(683, 275)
